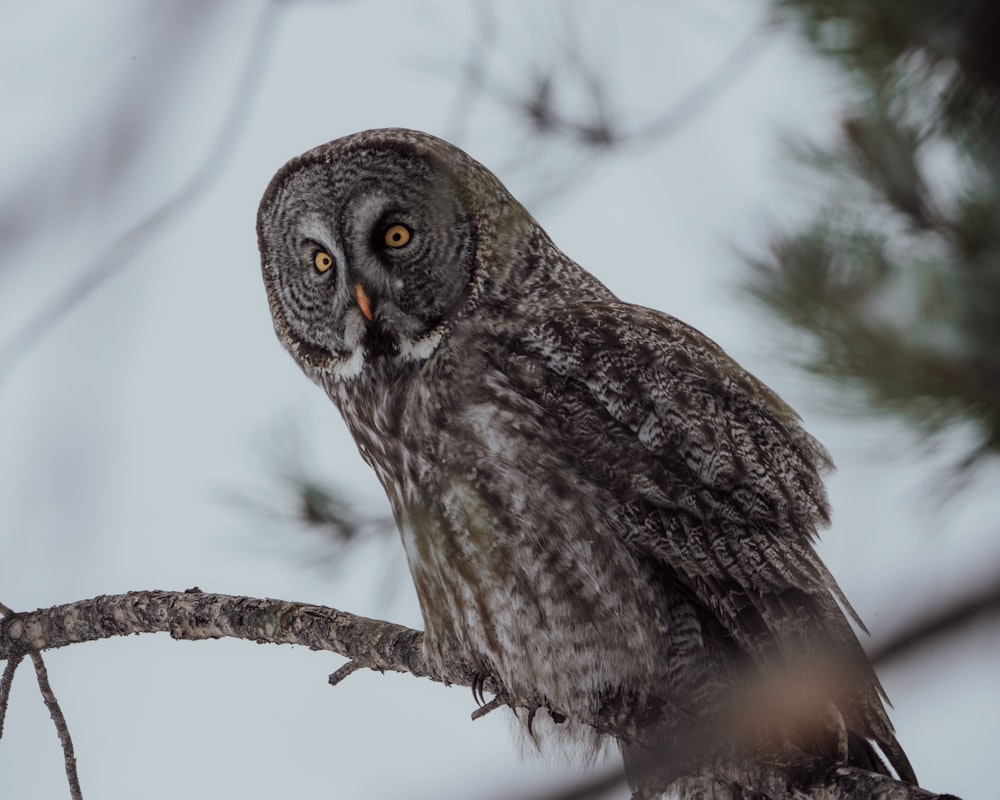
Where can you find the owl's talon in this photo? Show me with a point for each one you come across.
(478, 680)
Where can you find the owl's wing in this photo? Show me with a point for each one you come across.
(724, 484)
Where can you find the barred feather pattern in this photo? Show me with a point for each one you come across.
(600, 509)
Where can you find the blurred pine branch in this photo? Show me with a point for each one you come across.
(896, 279)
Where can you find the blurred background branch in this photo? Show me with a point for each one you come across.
(139, 117)
(561, 111)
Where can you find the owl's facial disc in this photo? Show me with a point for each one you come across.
(364, 249)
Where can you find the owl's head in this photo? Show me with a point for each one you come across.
(370, 246)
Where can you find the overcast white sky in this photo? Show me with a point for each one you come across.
(124, 426)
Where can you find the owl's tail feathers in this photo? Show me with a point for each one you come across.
(897, 758)
(862, 753)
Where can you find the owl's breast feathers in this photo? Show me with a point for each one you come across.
(602, 504)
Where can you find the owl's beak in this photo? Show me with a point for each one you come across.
(364, 303)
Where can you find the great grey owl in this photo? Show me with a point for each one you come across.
(601, 510)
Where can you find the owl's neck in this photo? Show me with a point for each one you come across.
(372, 399)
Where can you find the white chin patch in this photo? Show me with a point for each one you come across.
(354, 330)
(349, 366)
(422, 348)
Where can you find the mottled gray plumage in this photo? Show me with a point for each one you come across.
(600, 509)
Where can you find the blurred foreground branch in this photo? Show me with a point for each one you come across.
(974, 608)
(951, 619)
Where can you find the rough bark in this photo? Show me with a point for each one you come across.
(199, 615)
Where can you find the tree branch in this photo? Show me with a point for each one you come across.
(198, 615)
(374, 644)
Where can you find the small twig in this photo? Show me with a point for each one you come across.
(482, 711)
(59, 720)
(348, 669)
(5, 685)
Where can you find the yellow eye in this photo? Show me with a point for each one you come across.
(322, 261)
(397, 236)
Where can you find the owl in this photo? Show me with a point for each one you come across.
(601, 511)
